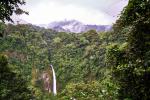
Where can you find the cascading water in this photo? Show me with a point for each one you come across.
(54, 81)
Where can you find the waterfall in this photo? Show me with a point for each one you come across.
(54, 81)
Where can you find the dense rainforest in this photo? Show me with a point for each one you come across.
(92, 65)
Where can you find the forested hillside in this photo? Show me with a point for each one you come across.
(92, 65)
(77, 58)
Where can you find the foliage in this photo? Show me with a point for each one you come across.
(2, 29)
(27, 49)
(8, 7)
(77, 58)
(12, 85)
(132, 69)
(90, 65)
(95, 90)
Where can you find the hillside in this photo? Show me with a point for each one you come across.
(39, 63)
(32, 49)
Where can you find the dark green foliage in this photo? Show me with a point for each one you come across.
(27, 46)
(12, 86)
(8, 7)
(132, 68)
(95, 90)
(78, 59)
(2, 29)
(83, 62)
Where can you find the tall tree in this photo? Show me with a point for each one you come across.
(12, 86)
(134, 73)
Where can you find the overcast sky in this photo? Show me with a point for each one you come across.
(87, 11)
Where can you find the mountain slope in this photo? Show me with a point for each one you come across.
(76, 26)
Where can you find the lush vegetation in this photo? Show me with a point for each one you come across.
(132, 66)
(89, 66)
(12, 85)
(77, 58)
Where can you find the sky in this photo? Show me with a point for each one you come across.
(100, 12)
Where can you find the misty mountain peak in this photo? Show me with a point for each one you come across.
(76, 26)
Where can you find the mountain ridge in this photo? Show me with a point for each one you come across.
(71, 26)
(75, 26)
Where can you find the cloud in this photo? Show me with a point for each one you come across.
(86, 11)
(100, 5)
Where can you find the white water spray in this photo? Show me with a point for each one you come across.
(54, 81)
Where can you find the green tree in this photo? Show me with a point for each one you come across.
(8, 7)
(133, 67)
(12, 86)
(2, 29)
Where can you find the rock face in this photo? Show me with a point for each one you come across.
(47, 81)
(76, 26)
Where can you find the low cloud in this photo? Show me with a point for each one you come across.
(87, 11)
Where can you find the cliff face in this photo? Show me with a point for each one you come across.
(47, 80)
